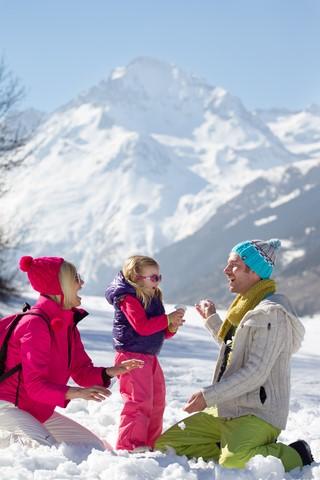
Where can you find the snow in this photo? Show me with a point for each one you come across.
(187, 361)
(290, 255)
(309, 230)
(298, 131)
(285, 198)
(263, 221)
(289, 252)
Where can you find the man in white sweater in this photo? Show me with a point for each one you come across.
(243, 411)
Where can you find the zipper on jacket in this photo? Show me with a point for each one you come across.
(227, 351)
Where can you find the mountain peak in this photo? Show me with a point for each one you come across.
(153, 78)
(141, 66)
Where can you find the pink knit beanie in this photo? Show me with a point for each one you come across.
(43, 273)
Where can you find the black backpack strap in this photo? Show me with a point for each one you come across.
(10, 372)
(25, 307)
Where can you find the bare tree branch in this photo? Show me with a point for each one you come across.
(11, 93)
(11, 139)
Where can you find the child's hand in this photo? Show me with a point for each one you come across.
(124, 367)
(175, 319)
(206, 308)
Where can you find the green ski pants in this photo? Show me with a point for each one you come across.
(229, 442)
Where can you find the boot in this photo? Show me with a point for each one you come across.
(304, 451)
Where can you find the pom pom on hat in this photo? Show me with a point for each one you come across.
(275, 243)
(25, 263)
(258, 255)
(43, 273)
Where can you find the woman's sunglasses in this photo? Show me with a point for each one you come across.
(153, 278)
(78, 278)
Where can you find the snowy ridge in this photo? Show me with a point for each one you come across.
(298, 131)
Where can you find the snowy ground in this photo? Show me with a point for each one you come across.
(187, 360)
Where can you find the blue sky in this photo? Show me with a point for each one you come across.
(264, 51)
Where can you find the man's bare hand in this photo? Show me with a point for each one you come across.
(196, 403)
(206, 308)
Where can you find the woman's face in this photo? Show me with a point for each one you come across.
(75, 299)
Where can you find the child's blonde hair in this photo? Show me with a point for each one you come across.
(67, 275)
(132, 268)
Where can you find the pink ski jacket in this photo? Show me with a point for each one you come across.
(50, 355)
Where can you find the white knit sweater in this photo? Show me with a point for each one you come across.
(257, 379)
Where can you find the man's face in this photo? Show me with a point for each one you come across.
(240, 277)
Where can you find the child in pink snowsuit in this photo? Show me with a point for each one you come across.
(139, 329)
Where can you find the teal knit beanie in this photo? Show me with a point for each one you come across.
(258, 255)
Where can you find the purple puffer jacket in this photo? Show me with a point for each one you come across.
(125, 338)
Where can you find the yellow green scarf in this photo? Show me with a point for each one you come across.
(243, 303)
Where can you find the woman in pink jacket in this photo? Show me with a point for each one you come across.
(47, 343)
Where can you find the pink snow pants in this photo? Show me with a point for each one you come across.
(143, 391)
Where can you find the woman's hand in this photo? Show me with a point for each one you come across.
(96, 393)
(124, 367)
(206, 308)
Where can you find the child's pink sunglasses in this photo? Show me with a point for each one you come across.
(154, 278)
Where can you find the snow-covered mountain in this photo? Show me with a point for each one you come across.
(139, 161)
(298, 131)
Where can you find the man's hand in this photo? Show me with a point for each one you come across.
(124, 367)
(206, 308)
(196, 403)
